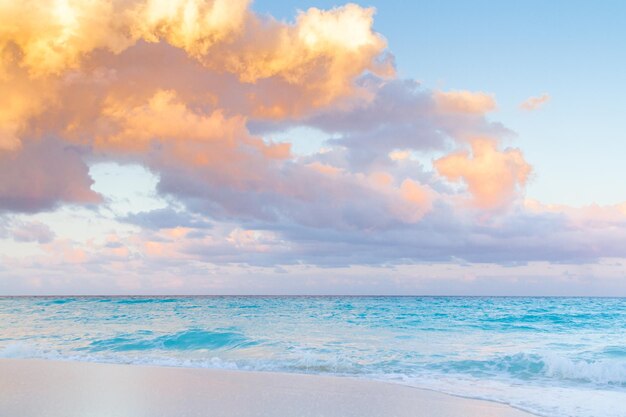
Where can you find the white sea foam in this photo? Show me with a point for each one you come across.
(23, 350)
(542, 400)
(605, 371)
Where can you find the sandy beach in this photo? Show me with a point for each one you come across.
(38, 388)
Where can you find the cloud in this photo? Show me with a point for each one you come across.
(32, 232)
(399, 155)
(464, 102)
(440, 236)
(535, 279)
(87, 74)
(397, 115)
(42, 175)
(57, 34)
(593, 216)
(493, 177)
(166, 218)
(306, 57)
(176, 86)
(535, 103)
(314, 195)
(194, 26)
(22, 98)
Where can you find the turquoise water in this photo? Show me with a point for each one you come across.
(557, 357)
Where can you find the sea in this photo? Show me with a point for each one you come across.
(553, 357)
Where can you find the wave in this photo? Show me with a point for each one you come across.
(609, 372)
(548, 379)
(194, 339)
(56, 301)
(546, 366)
(21, 350)
(145, 300)
(145, 347)
(615, 351)
(27, 351)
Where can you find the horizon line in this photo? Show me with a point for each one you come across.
(302, 296)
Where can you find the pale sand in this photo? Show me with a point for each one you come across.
(37, 388)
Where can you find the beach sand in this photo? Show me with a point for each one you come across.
(38, 388)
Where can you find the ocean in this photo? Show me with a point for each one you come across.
(554, 357)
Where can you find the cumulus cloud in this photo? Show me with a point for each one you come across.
(493, 177)
(42, 175)
(400, 115)
(93, 64)
(308, 57)
(194, 26)
(535, 103)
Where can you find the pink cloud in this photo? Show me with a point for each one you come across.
(464, 102)
(32, 232)
(43, 174)
(493, 177)
(535, 103)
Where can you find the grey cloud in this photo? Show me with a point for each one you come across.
(290, 193)
(401, 116)
(441, 237)
(42, 175)
(32, 232)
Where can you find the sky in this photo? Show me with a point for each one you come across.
(312, 147)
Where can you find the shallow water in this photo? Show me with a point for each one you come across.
(560, 357)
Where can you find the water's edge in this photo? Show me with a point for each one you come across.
(243, 371)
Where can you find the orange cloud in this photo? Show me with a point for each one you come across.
(398, 155)
(134, 126)
(165, 132)
(193, 25)
(464, 102)
(281, 69)
(49, 36)
(409, 201)
(321, 53)
(534, 103)
(174, 84)
(171, 85)
(22, 97)
(325, 169)
(493, 177)
(417, 200)
(593, 215)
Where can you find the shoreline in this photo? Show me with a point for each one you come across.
(54, 388)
